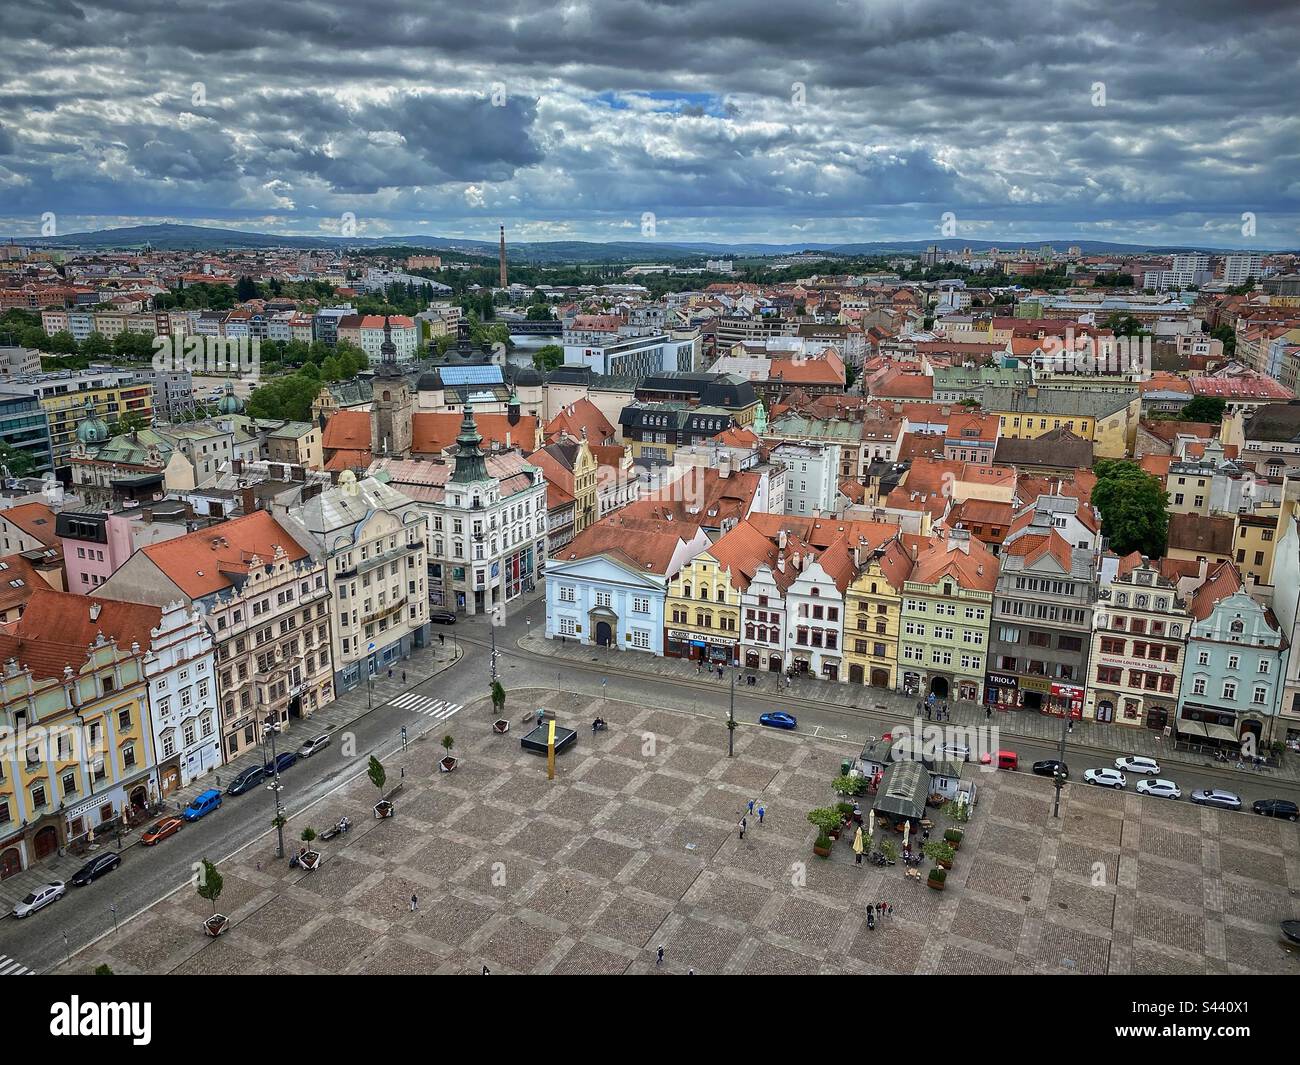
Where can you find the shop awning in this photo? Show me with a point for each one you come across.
(1221, 732)
(1190, 728)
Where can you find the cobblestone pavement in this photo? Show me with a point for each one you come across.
(1033, 726)
(635, 845)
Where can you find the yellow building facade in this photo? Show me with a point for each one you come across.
(873, 603)
(702, 613)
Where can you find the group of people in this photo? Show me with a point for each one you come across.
(878, 911)
(932, 706)
(598, 724)
(744, 818)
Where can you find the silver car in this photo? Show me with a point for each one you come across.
(1224, 800)
(313, 745)
(40, 898)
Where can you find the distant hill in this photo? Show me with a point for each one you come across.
(171, 237)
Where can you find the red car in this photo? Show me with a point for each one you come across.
(168, 826)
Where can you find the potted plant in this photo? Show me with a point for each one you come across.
(851, 784)
(953, 837)
(955, 811)
(307, 857)
(500, 725)
(939, 853)
(937, 878)
(375, 771)
(209, 887)
(827, 822)
(448, 763)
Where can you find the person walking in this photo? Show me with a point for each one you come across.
(415, 903)
(761, 812)
(751, 807)
(988, 713)
(742, 828)
(659, 958)
(403, 676)
(487, 971)
(390, 672)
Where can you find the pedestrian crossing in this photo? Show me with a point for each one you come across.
(438, 709)
(10, 967)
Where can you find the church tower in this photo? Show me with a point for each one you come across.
(390, 417)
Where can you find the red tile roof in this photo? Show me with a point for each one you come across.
(36, 520)
(206, 561)
(69, 615)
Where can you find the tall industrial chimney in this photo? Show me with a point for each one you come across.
(501, 256)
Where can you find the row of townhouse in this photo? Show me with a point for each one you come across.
(189, 649)
(1051, 625)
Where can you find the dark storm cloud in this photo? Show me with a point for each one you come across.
(829, 120)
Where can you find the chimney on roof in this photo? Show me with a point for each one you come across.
(95, 609)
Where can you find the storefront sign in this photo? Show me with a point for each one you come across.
(1003, 680)
(698, 638)
(1034, 684)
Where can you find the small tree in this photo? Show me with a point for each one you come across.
(498, 697)
(308, 834)
(448, 743)
(377, 776)
(849, 784)
(939, 852)
(103, 970)
(210, 884)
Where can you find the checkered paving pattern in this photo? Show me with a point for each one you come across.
(635, 845)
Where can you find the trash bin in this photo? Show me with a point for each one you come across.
(845, 766)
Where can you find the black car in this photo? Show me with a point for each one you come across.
(247, 780)
(1048, 766)
(94, 869)
(1277, 808)
(442, 617)
(281, 763)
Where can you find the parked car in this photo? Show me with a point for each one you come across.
(1277, 808)
(202, 804)
(1133, 764)
(281, 763)
(95, 868)
(247, 780)
(778, 719)
(313, 745)
(442, 617)
(1105, 778)
(1002, 759)
(1048, 766)
(1161, 789)
(168, 826)
(1224, 800)
(40, 898)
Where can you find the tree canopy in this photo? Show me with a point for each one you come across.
(1203, 409)
(1133, 507)
(548, 357)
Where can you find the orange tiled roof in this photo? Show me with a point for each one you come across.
(69, 615)
(577, 416)
(36, 520)
(204, 562)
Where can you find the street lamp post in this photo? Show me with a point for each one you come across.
(731, 720)
(272, 727)
(1058, 778)
(494, 652)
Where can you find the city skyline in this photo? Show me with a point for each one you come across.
(847, 123)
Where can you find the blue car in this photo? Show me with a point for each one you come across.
(202, 804)
(779, 719)
(281, 763)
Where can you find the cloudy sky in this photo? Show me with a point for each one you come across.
(771, 120)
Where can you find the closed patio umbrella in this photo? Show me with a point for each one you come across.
(857, 841)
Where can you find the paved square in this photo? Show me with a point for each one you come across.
(635, 844)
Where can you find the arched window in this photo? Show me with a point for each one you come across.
(749, 632)
(686, 591)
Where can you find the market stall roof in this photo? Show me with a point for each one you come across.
(904, 790)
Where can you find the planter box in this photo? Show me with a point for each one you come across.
(946, 865)
(448, 764)
(383, 809)
(500, 725)
(216, 924)
(310, 860)
(937, 885)
(821, 852)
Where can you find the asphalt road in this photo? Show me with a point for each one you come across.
(149, 874)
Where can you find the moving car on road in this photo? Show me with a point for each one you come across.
(1048, 766)
(1105, 778)
(1133, 764)
(779, 719)
(40, 898)
(95, 868)
(247, 780)
(1161, 789)
(442, 617)
(313, 745)
(1224, 800)
(1277, 808)
(168, 826)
